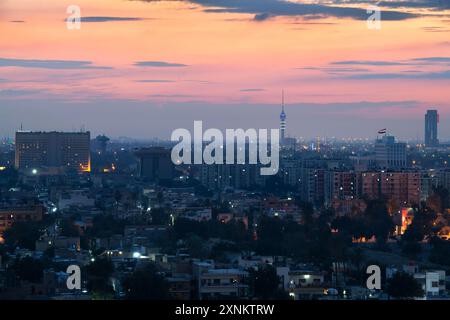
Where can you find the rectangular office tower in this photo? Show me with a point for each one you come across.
(53, 151)
(431, 128)
(390, 154)
(155, 163)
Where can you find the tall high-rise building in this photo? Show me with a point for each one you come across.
(282, 120)
(312, 184)
(99, 144)
(340, 185)
(389, 153)
(66, 150)
(431, 128)
(155, 163)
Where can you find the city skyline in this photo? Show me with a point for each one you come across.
(283, 128)
(143, 68)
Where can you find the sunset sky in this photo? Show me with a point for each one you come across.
(144, 68)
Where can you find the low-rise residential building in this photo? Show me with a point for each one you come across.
(180, 286)
(11, 214)
(219, 283)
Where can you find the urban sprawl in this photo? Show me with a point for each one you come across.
(141, 227)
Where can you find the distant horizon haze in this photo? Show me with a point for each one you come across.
(146, 121)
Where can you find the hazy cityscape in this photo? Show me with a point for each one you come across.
(140, 227)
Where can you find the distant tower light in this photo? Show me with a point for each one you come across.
(282, 118)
